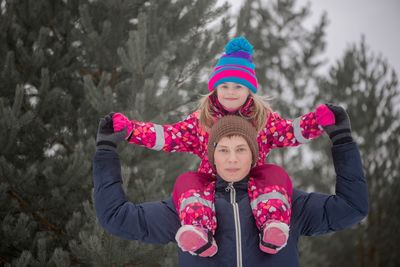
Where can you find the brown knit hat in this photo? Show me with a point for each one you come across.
(232, 125)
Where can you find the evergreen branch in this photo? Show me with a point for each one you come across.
(3, 259)
(189, 101)
(13, 249)
(40, 219)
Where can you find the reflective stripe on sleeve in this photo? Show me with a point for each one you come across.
(194, 199)
(160, 139)
(297, 131)
(265, 197)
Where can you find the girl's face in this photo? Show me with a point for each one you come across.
(232, 158)
(232, 95)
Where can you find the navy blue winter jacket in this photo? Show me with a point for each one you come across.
(157, 222)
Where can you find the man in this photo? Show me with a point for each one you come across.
(237, 235)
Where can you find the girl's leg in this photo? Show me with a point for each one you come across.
(270, 192)
(193, 196)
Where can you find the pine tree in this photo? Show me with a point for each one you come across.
(65, 65)
(40, 169)
(368, 87)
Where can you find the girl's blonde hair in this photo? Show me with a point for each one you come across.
(260, 111)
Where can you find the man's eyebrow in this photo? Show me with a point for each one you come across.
(218, 145)
(221, 145)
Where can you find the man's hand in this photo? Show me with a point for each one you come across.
(106, 137)
(340, 132)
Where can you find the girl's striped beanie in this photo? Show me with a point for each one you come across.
(236, 65)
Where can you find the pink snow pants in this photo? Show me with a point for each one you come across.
(269, 190)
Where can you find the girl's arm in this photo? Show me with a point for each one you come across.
(182, 136)
(281, 132)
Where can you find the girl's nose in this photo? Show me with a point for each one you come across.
(231, 89)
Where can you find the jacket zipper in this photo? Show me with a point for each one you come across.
(237, 224)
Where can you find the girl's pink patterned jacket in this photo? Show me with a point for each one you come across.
(189, 136)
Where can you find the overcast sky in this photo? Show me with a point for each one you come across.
(379, 21)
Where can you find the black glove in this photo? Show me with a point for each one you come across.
(106, 137)
(340, 132)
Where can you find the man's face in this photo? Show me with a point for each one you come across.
(232, 158)
(232, 95)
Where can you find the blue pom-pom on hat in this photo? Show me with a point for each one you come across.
(239, 44)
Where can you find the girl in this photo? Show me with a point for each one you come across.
(233, 87)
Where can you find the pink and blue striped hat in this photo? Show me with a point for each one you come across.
(236, 65)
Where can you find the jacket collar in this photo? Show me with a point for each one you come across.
(221, 184)
(219, 111)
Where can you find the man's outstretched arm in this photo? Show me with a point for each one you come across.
(153, 222)
(325, 213)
